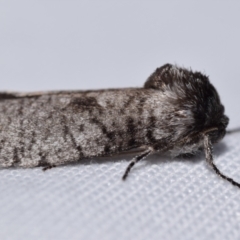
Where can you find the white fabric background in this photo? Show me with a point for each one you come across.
(53, 45)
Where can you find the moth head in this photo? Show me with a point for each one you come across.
(218, 132)
(209, 114)
(215, 133)
(192, 92)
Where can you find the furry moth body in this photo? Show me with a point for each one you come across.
(177, 111)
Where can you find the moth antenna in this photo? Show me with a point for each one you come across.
(135, 160)
(233, 130)
(209, 159)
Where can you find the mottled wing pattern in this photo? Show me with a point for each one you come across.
(62, 127)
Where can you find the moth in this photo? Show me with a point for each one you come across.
(177, 111)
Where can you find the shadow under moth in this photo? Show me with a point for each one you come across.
(177, 111)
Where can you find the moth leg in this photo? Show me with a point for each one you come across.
(209, 159)
(48, 167)
(135, 160)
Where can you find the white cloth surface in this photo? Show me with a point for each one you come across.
(57, 45)
(161, 199)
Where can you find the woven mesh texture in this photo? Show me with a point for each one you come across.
(161, 199)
